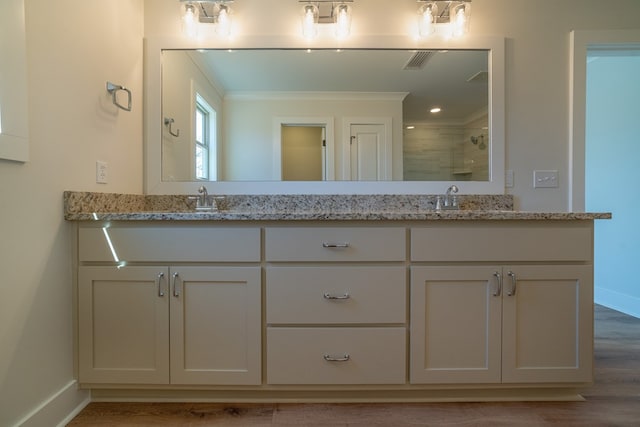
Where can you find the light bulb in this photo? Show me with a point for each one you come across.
(309, 29)
(426, 24)
(460, 21)
(224, 21)
(190, 21)
(343, 21)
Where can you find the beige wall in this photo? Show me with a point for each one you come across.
(75, 46)
(537, 64)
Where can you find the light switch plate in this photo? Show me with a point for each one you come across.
(508, 178)
(545, 179)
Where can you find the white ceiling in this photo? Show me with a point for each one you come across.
(442, 81)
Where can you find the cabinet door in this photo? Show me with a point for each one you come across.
(455, 324)
(123, 325)
(548, 324)
(215, 325)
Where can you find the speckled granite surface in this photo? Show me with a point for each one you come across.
(86, 206)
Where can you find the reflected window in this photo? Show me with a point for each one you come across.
(205, 140)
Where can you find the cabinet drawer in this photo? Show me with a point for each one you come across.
(335, 244)
(361, 355)
(192, 244)
(336, 294)
(503, 241)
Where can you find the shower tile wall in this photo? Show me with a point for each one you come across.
(444, 154)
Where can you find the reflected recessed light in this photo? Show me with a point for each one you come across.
(410, 127)
(436, 110)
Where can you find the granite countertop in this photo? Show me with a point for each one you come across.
(83, 206)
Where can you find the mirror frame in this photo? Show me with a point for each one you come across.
(153, 183)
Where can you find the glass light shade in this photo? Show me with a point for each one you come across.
(342, 16)
(310, 14)
(190, 21)
(426, 19)
(223, 24)
(460, 19)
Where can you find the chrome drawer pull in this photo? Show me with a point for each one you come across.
(498, 277)
(330, 358)
(176, 290)
(159, 280)
(514, 282)
(335, 245)
(327, 295)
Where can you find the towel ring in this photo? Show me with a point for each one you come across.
(113, 90)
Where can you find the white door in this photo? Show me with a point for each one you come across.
(368, 152)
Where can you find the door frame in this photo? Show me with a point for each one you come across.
(387, 122)
(580, 42)
(326, 122)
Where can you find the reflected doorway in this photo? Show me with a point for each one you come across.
(304, 152)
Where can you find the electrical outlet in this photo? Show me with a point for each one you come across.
(101, 172)
(545, 179)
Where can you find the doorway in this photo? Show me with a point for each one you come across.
(303, 153)
(605, 180)
(612, 154)
(309, 152)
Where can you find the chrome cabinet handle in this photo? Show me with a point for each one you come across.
(335, 245)
(330, 358)
(514, 282)
(176, 290)
(498, 277)
(327, 295)
(159, 280)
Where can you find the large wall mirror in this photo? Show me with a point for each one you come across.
(324, 120)
(14, 143)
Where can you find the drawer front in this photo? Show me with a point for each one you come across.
(192, 244)
(336, 295)
(503, 241)
(356, 355)
(335, 244)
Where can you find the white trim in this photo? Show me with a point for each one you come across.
(580, 42)
(317, 96)
(624, 303)
(59, 409)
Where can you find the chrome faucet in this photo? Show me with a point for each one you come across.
(204, 201)
(449, 200)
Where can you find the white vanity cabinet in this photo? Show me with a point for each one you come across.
(390, 309)
(477, 319)
(334, 314)
(169, 323)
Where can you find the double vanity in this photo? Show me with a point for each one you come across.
(331, 298)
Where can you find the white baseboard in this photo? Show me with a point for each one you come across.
(624, 303)
(59, 408)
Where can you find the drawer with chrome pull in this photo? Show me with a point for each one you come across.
(336, 294)
(335, 244)
(336, 355)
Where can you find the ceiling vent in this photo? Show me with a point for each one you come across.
(480, 77)
(418, 60)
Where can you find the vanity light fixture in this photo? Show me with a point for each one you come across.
(445, 18)
(317, 12)
(197, 12)
(435, 110)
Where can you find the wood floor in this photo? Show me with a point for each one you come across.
(614, 400)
